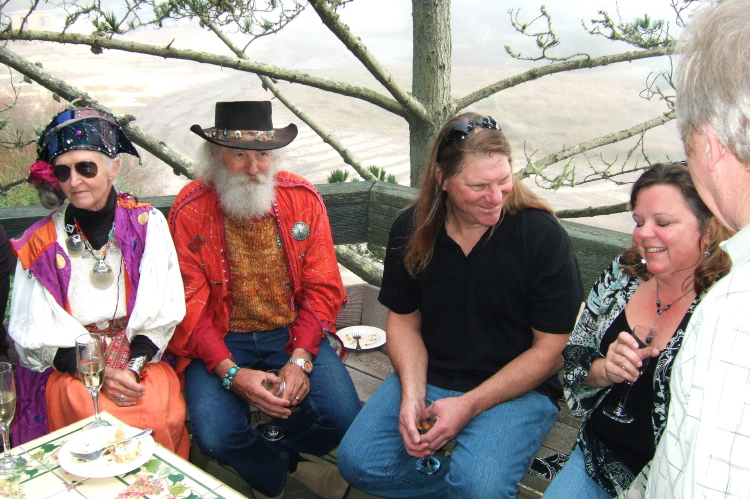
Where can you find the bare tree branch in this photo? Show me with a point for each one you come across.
(333, 22)
(536, 167)
(546, 39)
(361, 266)
(327, 136)
(4, 188)
(97, 43)
(537, 73)
(180, 165)
(592, 211)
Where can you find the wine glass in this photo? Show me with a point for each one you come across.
(91, 357)
(9, 465)
(644, 335)
(425, 421)
(274, 383)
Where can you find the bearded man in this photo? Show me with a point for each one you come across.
(261, 287)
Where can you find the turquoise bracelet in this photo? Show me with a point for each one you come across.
(229, 377)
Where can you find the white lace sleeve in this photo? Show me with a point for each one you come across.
(38, 325)
(160, 304)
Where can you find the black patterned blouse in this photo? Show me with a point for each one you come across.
(605, 303)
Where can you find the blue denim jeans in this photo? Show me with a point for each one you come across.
(492, 453)
(573, 481)
(221, 419)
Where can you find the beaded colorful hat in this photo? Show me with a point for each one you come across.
(81, 128)
(246, 125)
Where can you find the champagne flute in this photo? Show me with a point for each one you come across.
(274, 383)
(644, 335)
(426, 419)
(91, 357)
(9, 465)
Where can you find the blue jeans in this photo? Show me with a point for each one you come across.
(492, 453)
(221, 419)
(573, 481)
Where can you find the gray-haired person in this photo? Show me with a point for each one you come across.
(705, 450)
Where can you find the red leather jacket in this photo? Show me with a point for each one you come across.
(197, 225)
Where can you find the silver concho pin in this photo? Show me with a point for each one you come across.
(300, 231)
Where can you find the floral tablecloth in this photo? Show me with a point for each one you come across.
(165, 475)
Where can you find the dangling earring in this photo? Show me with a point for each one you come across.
(706, 254)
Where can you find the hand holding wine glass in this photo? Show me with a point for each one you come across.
(274, 383)
(9, 465)
(426, 419)
(91, 359)
(644, 336)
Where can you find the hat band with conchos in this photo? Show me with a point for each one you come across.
(246, 125)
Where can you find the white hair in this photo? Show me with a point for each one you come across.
(711, 78)
(241, 195)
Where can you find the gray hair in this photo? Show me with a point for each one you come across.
(208, 160)
(712, 81)
(51, 198)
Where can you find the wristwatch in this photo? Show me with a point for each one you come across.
(305, 364)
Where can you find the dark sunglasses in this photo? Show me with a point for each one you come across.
(462, 129)
(86, 169)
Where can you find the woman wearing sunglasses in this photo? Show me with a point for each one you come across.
(102, 263)
(482, 289)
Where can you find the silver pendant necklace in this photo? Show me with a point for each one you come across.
(101, 275)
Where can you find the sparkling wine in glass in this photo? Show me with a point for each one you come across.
(91, 357)
(9, 465)
(644, 335)
(274, 383)
(425, 421)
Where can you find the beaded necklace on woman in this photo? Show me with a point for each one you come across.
(660, 310)
(93, 229)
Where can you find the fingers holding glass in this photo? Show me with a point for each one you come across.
(426, 419)
(644, 336)
(274, 383)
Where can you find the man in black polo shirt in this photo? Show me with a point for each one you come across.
(483, 290)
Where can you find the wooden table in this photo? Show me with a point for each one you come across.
(165, 475)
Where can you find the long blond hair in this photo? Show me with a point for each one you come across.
(430, 206)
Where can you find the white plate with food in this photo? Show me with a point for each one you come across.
(113, 462)
(370, 337)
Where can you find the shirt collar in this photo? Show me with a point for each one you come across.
(738, 246)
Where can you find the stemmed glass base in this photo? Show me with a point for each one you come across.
(97, 424)
(272, 432)
(428, 465)
(618, 413)
(11, 465)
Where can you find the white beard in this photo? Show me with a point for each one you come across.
(243, 196)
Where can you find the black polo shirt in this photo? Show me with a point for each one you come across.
(478, 310)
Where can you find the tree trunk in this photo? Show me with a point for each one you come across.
(431, 76)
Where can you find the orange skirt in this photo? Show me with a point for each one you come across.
(162, 408)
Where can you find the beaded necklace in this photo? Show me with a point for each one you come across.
(659, 309)
(101, 276)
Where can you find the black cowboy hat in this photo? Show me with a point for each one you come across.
(246, 125)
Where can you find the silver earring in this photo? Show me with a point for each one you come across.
(706, 254)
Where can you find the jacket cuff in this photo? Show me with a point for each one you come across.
(306, 332)
(206, 343)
